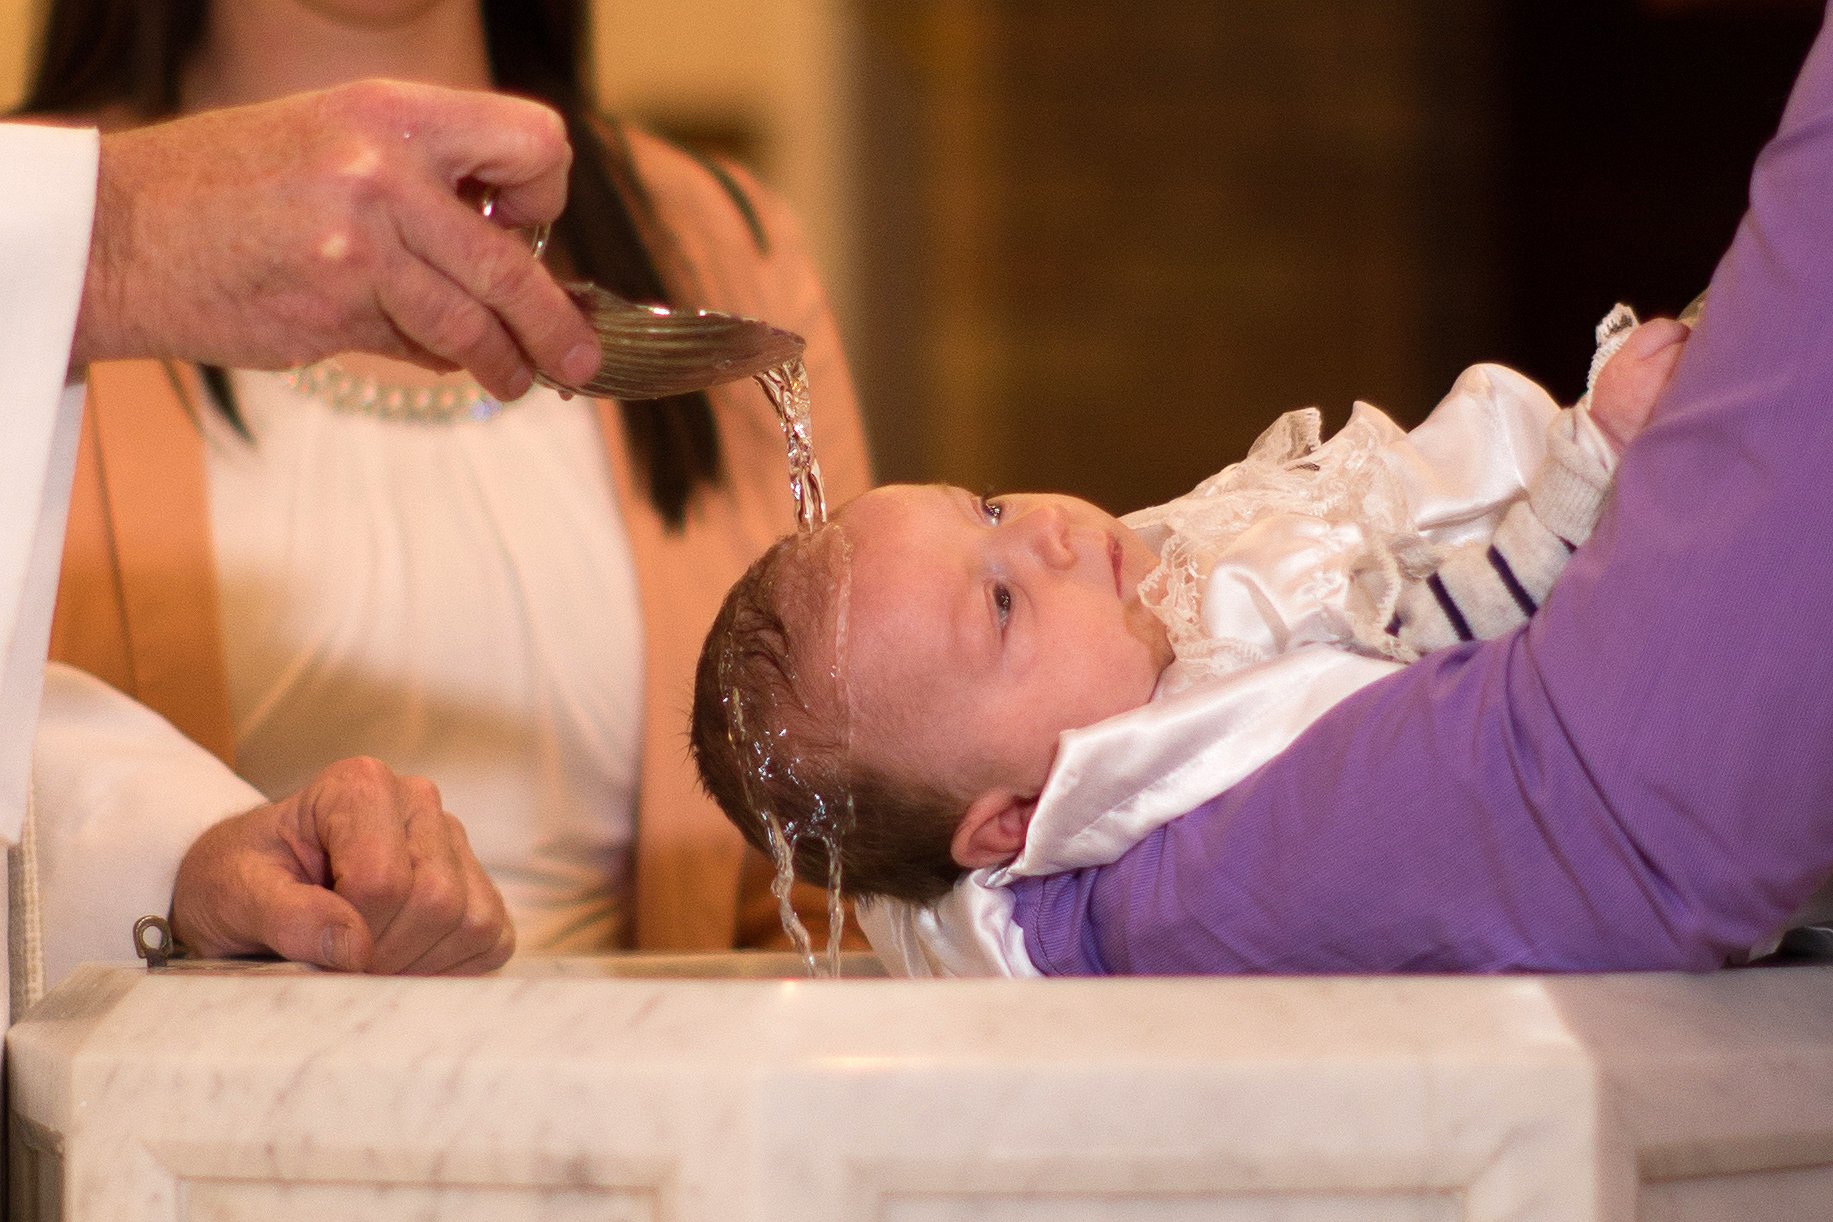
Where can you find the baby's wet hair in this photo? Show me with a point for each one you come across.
(769, 733)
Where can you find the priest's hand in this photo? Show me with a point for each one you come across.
(272, 235)
(361, 870)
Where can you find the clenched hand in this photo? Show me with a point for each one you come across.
(361, 870)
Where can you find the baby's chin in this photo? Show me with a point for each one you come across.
(1149, 630)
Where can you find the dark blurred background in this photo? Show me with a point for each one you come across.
(1105, 243)
(1625, 144)
(1096, 245)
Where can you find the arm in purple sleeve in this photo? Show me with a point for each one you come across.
(1641, 779)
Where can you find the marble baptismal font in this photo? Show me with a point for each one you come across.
(722, 1088)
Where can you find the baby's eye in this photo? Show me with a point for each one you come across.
(1002, 603)
(990, 506)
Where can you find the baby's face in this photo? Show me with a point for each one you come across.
(978, 630)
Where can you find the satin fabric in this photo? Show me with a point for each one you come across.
(1111, 784)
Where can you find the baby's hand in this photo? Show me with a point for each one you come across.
(1629, 384)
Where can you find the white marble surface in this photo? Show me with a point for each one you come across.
(558, 1091)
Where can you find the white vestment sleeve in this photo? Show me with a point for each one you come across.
(47, 206)
(47, 209)
(119, 795)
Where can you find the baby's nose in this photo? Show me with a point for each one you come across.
(1047, 533)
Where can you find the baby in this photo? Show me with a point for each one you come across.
(917, 682)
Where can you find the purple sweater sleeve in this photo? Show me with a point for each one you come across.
(1641, 779)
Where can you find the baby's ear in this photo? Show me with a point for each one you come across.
(992, 831)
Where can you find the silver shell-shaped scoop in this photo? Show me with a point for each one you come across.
(654, 351)
(651, 352)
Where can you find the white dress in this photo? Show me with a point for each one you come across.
(455, 599)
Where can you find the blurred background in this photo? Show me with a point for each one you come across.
(1095, 246)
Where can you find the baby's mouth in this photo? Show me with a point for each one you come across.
(1114, 556)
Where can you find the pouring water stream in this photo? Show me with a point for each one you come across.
(655, 351)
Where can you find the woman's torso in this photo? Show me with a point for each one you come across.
(456, 599)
